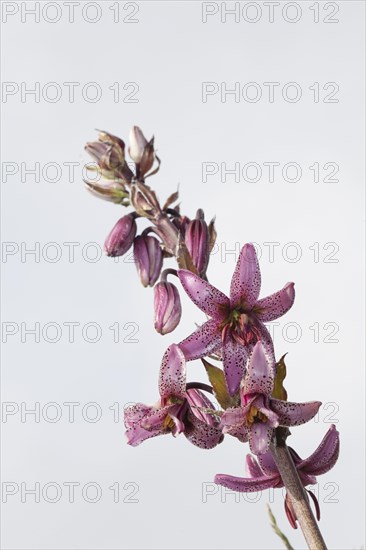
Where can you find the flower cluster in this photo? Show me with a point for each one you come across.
(252, 402)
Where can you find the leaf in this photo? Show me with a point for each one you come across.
(217, 379)
(279, 391)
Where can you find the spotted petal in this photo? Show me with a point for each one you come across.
(246, 485)
(235, 357)
(252, 468)
(260, 436)
(325, 456)
(172, 379)
(202, 342)
(276, 304)
(294, 414)
(198, 401)
(268, 464)
(201, 434)
(260, 372)
(246, 281)
(208, 298)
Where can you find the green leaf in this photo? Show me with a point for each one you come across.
(217, 379)
(279, 391)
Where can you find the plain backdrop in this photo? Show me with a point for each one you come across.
(93, 490)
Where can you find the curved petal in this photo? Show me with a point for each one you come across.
(252, 468)
(135, 413)
(208, 298)
(240, 432)
(246, 280)
(325, 456)
(172, 379)
(234, 416)
(201, 434)
(202, 342)
(197, 400)
(246, 485)
(294, 414)
(265, 338)
(137, 434)
(268, 464)
(276, 304)
(260, 436)
(263, 406)
(235, 357)
(259, 377)
(156, 419)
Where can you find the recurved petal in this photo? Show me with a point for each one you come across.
(235, 357)
(201, 434)
(260, 436)
(246, 485)
(294, 414)
(135, 413)
(325, 456)
(234, 416)
(137, 434)
(252, 468)
(198, 401)
(246, 280)
(263, 405)
(172, 380)
(259, 376)
(202, 342)
(240, 432)
(267, 464)
(276, 304)
(208, 298)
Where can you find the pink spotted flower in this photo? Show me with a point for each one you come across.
(236, 323)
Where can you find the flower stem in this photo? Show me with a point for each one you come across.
(296, 492)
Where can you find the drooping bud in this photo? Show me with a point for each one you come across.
(121, 237)
(167, 306)
(148, 258)
(137, 144)
(197, 240)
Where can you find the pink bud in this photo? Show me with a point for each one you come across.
(197, 241)
(137, 144)
(167, 307)
(148, 258)
(121, 237)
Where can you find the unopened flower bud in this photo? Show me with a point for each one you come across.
(144, 201)
(197, 241)
(112, 191)
(167, 307)
(137, 144)
(121, 237)
(148, 258)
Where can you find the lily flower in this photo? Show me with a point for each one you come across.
(236, 323)
(264, 475)
(259, 413)
(177, 411)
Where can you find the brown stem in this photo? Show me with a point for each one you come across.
(296, 492)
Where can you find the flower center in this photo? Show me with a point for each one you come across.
(241, 325)
(254, 415)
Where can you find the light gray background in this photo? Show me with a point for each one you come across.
(169, 53)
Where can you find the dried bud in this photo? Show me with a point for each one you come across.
(167, 307)
(197, 240)
(145, 201)
(108, 151)
(148, 258)
(137, 144)
(121, 237)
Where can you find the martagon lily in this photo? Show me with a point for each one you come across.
(266, 475)
(179, 410)
(236, 323)
(260, 413)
